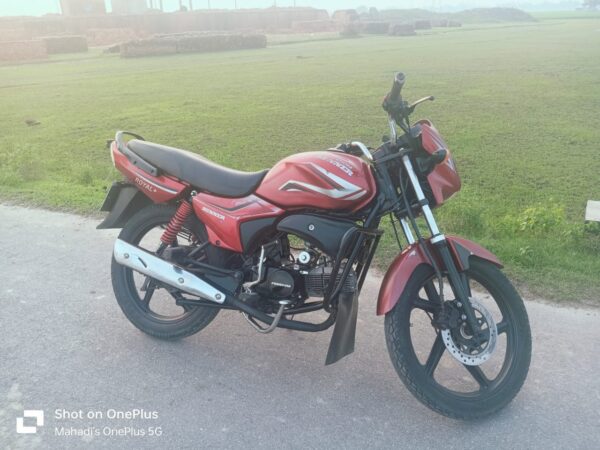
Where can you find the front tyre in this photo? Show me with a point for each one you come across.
(442, 381)
(148, 305)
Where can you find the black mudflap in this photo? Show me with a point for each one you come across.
(344, 331)
(122, 201)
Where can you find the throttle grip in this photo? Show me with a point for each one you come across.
(394, 94)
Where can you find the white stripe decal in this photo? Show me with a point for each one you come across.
(349, 190)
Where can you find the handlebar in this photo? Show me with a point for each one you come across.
(394, 94)
(398, 109)
(393, 103)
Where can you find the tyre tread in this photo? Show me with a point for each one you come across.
(420, 390)
(203, 317)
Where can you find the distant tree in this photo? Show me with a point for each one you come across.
(591, 4)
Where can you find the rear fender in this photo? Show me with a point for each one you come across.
(413, 256)
(122, 201)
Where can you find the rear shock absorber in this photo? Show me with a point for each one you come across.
(183, 212)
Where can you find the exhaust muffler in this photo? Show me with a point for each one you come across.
(150, 265)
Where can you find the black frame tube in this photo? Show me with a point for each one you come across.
(283, 323)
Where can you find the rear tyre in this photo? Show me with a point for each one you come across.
(157, 314)
(439, 380)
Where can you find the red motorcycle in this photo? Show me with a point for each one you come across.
(299, 238)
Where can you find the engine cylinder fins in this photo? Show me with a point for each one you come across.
(317, 280)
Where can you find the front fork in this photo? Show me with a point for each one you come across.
(459, 285)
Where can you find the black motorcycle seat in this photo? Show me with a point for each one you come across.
(198, 171)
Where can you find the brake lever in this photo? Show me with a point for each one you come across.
(412, 107)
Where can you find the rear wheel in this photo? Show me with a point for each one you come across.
(147, 304)
(447, 370)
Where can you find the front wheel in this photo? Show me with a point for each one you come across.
(449, 371)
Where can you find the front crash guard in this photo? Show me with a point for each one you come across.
(413, 256)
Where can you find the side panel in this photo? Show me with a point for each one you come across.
(160, 189)
(322, 232)
(224, 216)
(326, 180)
(413, 256)
(252, 232)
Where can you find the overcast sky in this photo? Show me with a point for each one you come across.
(40, 7)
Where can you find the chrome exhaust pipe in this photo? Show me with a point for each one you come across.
(150, 265)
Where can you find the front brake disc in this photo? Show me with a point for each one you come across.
(472, 357)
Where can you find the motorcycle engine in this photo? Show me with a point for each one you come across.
(298, 276)
(279, 283)
(317, 280)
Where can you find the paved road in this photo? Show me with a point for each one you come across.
(66, 345)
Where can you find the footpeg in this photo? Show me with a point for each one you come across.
(276, 319)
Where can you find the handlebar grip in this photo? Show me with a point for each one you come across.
(394, 94)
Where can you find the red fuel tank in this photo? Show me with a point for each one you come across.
(327, 180)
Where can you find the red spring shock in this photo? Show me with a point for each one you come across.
(183, 212)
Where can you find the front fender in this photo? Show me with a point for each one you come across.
(413, 256)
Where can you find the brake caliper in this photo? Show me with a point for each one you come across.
(448, 317)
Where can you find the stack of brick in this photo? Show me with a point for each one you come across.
(13, 34)
(422, 25)
(99, 37)
(402, 29)
(375, 27)
(65, 44)
(191, 43)
(23, 50)
(316, 26)
(345, 15)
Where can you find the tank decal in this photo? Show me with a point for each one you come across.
(323, 180)
(340, 188)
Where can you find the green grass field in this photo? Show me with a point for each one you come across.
(519, 106)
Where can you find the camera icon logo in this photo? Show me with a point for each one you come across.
(36, 414)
